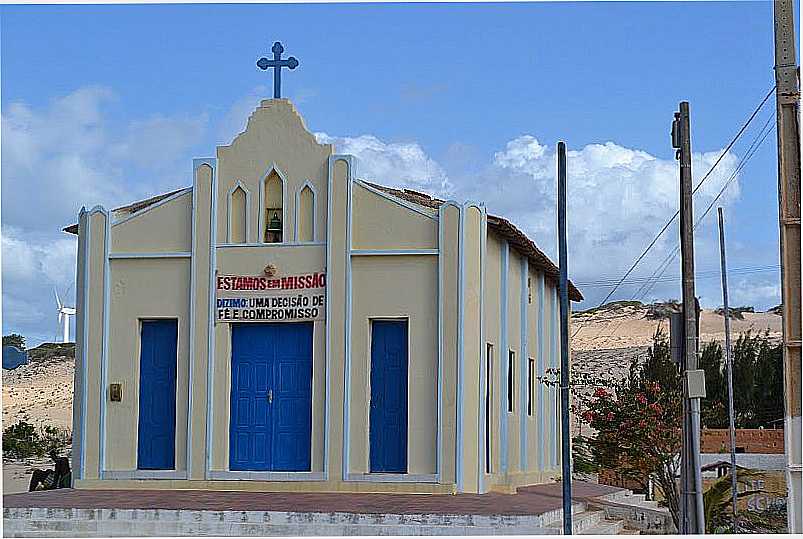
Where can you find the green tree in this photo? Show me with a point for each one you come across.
(745, 352)
(15, 339)
(768, 384)
(714, 407)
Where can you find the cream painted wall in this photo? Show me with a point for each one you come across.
(532, 352)
(251, 261)
(336, 313)
(514, 345)
(238, 218)
(492, 320)
(397, 287)
(80, 361)
(449, 258)
(163, 228)
(473, 345)
(380, 223)
(95, 392)
(275, 135)
(305, 216)
(144, 289)
(204, 191)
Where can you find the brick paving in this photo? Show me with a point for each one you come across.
(532, 500)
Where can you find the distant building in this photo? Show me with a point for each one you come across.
(283, 325)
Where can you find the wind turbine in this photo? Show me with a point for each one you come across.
(64, 317)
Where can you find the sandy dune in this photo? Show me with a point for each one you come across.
(627, 327)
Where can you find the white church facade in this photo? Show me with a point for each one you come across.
(284, 325)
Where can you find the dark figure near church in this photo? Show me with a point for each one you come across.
(60, 477)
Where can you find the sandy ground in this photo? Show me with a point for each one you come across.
(628, 327)
(41, 394)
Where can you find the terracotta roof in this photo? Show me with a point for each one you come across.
(501, 226)
(131, 208)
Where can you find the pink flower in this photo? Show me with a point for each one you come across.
(642, 424)
(641, 398)
(600, 392)
(609, 417)
(588, 416)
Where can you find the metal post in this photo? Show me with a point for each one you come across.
(566, 462)
(787, 97)
(695, 509)
(728, 362)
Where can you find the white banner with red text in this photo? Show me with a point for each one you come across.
(259, 298)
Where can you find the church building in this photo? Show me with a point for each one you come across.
(282, 324)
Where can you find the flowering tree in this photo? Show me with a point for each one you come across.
(637, 422)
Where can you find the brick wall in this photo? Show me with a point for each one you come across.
(767, 441)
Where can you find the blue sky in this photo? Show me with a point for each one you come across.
(104, 103)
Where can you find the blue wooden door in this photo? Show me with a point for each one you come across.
(388, 415)
(271, 389)
(156, 435)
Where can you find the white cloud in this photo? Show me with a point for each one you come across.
(618, 197)
(59, 157)
(395, 164)
(66, 154)
(33, 266)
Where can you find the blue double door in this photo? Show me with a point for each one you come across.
(388, 411)
(271, 389)
(156, 434)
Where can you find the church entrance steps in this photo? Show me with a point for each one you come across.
(86, 513)
(44, 522)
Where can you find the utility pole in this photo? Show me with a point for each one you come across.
(787, 99)
(693, 513)
(563, 285)
(728, 362)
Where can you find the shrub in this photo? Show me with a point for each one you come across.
(23, 440)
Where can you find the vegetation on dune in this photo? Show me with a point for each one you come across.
(737, 313)
(23, 440)
(661, 310)
(50, 350)
(610, 306)
(15, 339)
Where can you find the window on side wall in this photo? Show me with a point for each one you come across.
(511, 380)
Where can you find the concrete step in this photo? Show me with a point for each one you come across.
(178, 529)
(62, 523)
(605, 527)
(580, 521)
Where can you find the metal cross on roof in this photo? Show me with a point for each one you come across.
(277, 64)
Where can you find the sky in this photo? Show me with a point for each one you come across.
(109, 104)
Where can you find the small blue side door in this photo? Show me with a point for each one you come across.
(388, 413)
(156, 435)
(271, 397)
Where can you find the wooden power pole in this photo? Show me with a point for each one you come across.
(787, 97)
(692, 510)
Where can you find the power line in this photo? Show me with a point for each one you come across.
(675, 215)
(757, 141)
(698, 274)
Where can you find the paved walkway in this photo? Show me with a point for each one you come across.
(532, 500)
